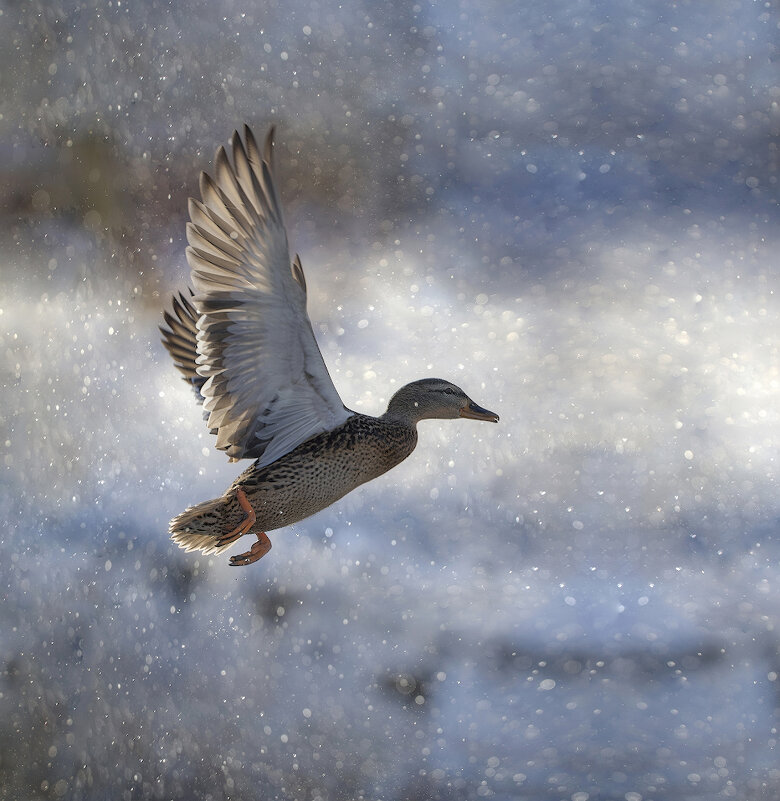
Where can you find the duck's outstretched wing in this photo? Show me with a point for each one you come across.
(180, 340)
(266, 388)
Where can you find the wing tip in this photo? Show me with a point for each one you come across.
(179, 338)
(297, 271)
(268, 148)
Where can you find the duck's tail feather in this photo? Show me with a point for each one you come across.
(200, 527)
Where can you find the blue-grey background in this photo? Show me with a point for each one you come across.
(570, 209)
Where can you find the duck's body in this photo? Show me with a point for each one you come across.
(246, 346)
(305, 481)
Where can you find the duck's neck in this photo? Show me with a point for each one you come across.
(402, 414)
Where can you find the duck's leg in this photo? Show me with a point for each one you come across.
(257, 551)
(244, 526)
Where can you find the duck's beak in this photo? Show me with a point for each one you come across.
(474, 412)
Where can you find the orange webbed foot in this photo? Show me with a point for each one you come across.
(257, 551)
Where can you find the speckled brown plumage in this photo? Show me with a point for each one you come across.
(308, 479)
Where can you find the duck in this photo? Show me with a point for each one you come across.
(242, 339)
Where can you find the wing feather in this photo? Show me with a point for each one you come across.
(264, 382)
(180, 339)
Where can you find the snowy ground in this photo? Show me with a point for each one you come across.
(571, 211)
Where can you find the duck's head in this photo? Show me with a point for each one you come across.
(434, 398)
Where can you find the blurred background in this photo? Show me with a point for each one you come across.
(571, 210)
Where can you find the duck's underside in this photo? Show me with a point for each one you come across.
(310, 478)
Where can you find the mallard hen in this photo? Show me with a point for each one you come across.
(245, 344)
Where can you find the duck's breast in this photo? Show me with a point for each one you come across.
(325, 468)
